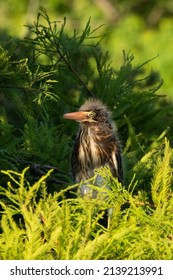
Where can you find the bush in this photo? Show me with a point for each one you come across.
(38, 225)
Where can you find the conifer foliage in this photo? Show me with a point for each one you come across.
(43, 76)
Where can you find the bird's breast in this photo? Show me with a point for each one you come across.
(88, 152)
(94, 149)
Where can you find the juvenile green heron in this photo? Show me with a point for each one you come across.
(96, 144)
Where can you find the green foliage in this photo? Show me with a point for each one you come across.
(144, 27)
(38, 225)
(51, 72)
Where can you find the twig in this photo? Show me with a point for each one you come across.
(75, 73)
(35, 168)
(42, 169)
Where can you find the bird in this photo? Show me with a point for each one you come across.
(96, 145)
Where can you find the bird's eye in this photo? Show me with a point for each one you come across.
(91, 114)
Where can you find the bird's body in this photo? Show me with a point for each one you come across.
(96, 144)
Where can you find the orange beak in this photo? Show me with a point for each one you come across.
(77, 116)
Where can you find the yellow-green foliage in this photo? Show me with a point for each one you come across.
(38, 225)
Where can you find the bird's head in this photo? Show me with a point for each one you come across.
(91, 111)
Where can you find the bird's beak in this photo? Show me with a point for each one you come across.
(77, 116)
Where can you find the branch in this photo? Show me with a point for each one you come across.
(75, 74)
(42, 169)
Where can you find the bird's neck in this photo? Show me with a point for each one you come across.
(95, 141)
(103, 128)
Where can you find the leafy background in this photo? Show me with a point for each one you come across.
(143, 27)
(102, 49)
